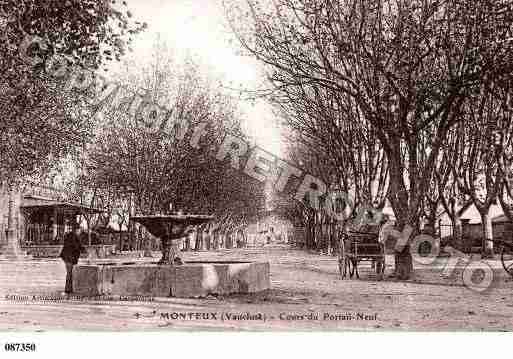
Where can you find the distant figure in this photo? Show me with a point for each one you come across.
(270, 235)
(241, 238)
(70, 254)
(387, 224)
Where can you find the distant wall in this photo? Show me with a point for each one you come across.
(19, 219)
(473, 234)
(53, 251)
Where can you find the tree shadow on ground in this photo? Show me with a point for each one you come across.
(273, 296)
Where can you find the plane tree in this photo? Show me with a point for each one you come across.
(39, 123)
(408, 65)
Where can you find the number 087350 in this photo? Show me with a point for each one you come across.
(20, 347)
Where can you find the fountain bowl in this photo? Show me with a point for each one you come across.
(169, 228)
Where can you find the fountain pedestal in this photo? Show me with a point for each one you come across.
(170, 253)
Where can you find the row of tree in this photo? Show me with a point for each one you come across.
(39, 122)
(140, 163)
(406, 102)
(121, 161)
(221, 234)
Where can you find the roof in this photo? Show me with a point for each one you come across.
(66, 206)
(473, 215)
(38, 198)
(173, 225)
(173, 219)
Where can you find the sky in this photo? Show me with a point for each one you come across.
(199, 28)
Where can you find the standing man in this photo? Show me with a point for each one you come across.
(387, 224)
(70, 254)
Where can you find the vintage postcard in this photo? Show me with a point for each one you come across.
(255, 165)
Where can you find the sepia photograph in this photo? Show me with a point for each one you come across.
(278, 166)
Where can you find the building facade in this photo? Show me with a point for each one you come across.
(41, 218)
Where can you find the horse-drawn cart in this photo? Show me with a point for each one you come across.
(507, 259)
(356, 247)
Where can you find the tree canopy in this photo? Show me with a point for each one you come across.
(39, 122)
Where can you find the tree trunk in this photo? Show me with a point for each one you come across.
(12, 249)
(402, 256)
(401, 203)
(486, 220)
(431, 219)
(457, 233)
(198, 246)
(216, 240)
(223, 240)
(131, 229)
(310, 238)
(187, 246)
(220, 240)
(319, 236)
(147, 250)
(207, 240)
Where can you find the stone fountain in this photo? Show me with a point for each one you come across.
(170, 229)
(170, 276)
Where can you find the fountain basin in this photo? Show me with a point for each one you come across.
(190, 280)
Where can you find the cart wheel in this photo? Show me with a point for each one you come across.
(378, 267)
(342, 268)
(507, 260)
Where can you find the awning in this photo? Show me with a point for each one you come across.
(34, 204)
(63, 206)
(162, 225)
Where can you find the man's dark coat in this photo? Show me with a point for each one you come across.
(72, 248)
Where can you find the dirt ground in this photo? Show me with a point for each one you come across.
(307, 294)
